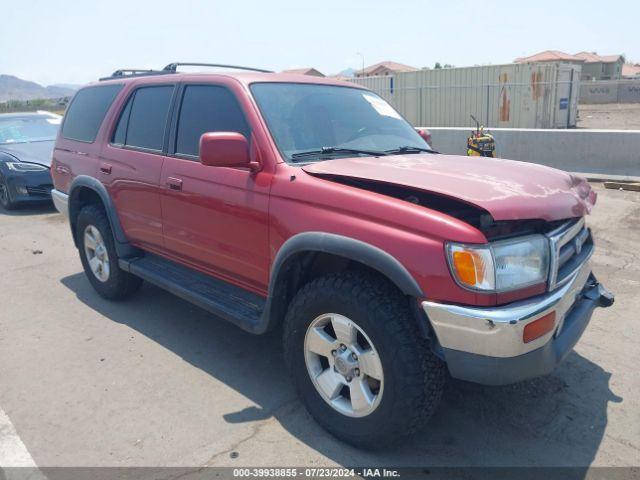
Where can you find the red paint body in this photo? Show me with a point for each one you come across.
(230, 222)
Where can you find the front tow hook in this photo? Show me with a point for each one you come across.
(606, 297)
(597, 292)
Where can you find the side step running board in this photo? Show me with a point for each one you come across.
(220, 298)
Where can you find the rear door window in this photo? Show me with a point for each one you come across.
(86, 112)
(143, 121)
(207, 108)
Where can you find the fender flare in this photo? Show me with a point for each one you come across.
(341, 246)
(123, 247)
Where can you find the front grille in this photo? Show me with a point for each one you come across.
(571, 246)
(39, 190)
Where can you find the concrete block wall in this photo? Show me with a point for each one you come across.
(614, 91)
(604, 152)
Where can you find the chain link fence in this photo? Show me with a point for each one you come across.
(508, 105)
(50, 105)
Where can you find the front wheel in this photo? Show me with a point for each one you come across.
(358, 362)
(5, 195)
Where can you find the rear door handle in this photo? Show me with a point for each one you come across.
(106, 168)
(174, 183)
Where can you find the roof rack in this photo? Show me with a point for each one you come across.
(133, 72)
(172, 67)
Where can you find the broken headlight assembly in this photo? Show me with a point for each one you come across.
(500, 266)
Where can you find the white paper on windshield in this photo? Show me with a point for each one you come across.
(382, 107)
(53, 121)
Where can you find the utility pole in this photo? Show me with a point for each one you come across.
(361, 56)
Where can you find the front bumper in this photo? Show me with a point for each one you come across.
(29, 187)
(61, 201)
(485, 345)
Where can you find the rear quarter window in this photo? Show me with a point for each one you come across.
(86, 112)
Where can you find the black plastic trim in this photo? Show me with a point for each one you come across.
(352, 249)
(227, 301)
(338, 245)
(123, 247)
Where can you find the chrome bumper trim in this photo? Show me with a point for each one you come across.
(61, 201)
(497, 331)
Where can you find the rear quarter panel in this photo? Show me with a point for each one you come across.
(72, 158)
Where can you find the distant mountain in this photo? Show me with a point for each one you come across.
(14, 88)
(349, 72)
(69, 86)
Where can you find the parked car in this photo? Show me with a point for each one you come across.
(26, 147)
(275, 200)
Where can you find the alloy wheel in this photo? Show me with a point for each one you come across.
(343, 365)
(96, 252)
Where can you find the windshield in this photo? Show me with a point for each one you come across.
(36, 128)
(316, 122)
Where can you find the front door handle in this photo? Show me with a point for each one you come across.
(174, 183)
(106, 168)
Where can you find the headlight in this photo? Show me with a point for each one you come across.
(25, 167)
(500, 266)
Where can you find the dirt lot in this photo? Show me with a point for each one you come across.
(155, 381)
(610, 116)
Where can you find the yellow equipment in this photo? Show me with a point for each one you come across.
(480, 143)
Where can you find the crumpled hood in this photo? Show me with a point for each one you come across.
(507, 189)
(33, 152)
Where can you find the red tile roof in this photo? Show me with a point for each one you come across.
(593, 57)
(556, 55)
(393, 66)
(305, 71)
(631, 70)
(548, 56)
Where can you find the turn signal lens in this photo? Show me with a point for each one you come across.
(539, 327)
(469, 267)
(472, 267)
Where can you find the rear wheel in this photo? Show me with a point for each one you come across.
(99, 257)
(358, 362)
(5, 195)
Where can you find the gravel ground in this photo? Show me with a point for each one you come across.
(154, 381)
(610, 116)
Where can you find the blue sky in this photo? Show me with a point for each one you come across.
(76, 41)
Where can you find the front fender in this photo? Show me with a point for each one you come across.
(339, 245)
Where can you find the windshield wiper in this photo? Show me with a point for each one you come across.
(409, 149)
(332, 150)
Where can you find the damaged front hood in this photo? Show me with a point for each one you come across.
(507, 189)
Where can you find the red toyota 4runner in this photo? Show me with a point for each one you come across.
(283, 200)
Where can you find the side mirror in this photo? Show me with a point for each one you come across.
(425, 134)
(226, 149)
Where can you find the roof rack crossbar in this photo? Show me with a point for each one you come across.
(172, 67)
(134, 72)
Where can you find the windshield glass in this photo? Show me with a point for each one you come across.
(329, 121)
(25, 129)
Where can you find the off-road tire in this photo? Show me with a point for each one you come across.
(413, 376)
(120, 284)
